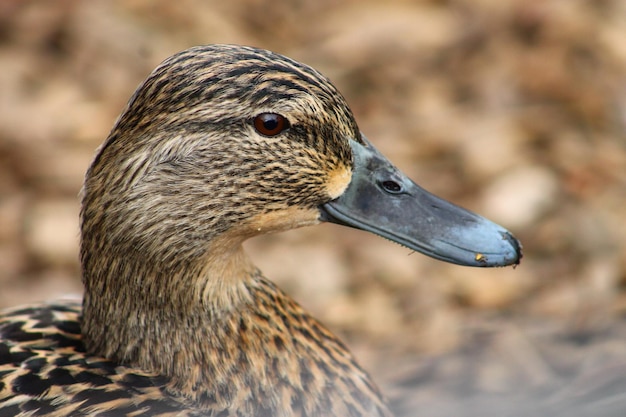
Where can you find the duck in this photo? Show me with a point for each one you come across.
(219, 144)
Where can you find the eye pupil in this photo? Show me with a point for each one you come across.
(392, 186)
(270, 124)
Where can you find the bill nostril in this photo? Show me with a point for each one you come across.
(391, 187)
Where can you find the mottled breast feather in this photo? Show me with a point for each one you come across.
(45, 371)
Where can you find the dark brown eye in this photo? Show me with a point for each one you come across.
(270, 124)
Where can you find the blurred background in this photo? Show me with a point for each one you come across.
(515, 109)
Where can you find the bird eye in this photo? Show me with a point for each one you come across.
(270, 124)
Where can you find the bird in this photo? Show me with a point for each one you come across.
(219, 144)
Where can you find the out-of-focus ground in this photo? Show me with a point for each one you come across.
(515, 109)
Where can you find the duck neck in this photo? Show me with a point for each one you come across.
(138, 314)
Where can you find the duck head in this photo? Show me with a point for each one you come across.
(222, 143)
(219, 144)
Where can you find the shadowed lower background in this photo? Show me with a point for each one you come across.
(515, 109)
